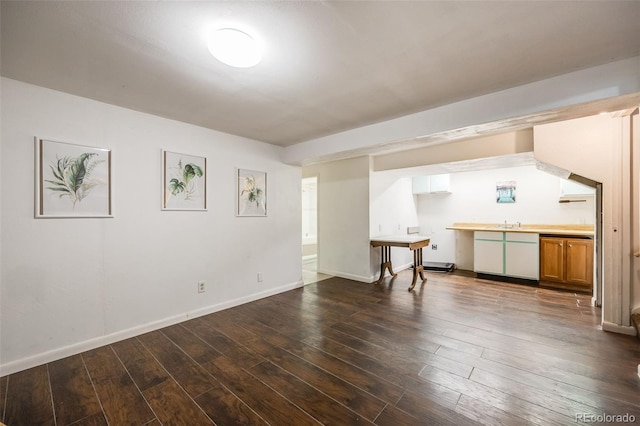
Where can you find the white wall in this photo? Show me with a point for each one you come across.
(393, 209)
(71, 284)
(343, 217)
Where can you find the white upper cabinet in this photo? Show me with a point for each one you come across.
(572, 189)
(431, 184)
(421, 184)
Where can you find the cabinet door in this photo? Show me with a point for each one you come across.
(420, 184)
(521, 259)
(551, 259)
(439, 183)
(580, 262)
(488, 257)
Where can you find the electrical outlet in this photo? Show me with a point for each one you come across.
(201, 287)
(259, 277)
(434, 247)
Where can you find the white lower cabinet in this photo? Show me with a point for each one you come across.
(488, 252)
(513, 254)
(522, 255)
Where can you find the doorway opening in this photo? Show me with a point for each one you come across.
(309, 228)
(310, 235)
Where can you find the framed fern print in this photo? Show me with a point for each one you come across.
(252, 193)
(72, 180)
(184, 181)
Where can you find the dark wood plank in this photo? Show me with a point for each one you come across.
(122, 402)
(29, 398)
(173, 406)
(3, 396)
(225, 408)
(192, 345)
(219, 403)
(93, 420)
(430, 413)
(319, 405)
(494, 397)
(422, 336)
(144, 369)
(350, 373)
(484, 413)
(191, 376)
(343, 392)
(268, 404)
(531, 375)
(73, 396)
(240, 354)
(392, 416)
(549, 400)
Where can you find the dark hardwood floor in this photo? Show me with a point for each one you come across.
(457, 351)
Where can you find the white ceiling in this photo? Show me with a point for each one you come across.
(329, 66)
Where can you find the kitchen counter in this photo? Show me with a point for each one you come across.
(572, 230)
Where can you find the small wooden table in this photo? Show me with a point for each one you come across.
(415, 243)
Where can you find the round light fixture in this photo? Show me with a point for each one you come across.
(235, 48)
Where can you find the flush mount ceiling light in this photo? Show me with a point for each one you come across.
(235, 48)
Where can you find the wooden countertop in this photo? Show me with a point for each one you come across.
(577, 230)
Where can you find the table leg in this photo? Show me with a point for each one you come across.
(417, 268)
(386, 263)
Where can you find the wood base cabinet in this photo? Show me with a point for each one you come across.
(567, 263)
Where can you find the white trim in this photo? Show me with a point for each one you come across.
(616, 328)
(348, 276)
(309, 258)
(362, 278)
(76, 348)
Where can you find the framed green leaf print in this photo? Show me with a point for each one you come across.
(184, 181)
(72, 180)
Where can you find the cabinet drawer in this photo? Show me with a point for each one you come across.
(523, 237)
(488, 235)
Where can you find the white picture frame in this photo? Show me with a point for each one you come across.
(72, 181)
(251, 193)
(184, 182)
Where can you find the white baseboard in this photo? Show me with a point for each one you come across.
(616, 328)
(348, 276)
(362, 278)
(76, 348)
(309, 258)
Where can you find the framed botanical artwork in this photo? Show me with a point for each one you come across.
(72, 180)
(184, 181)
(252, 193)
